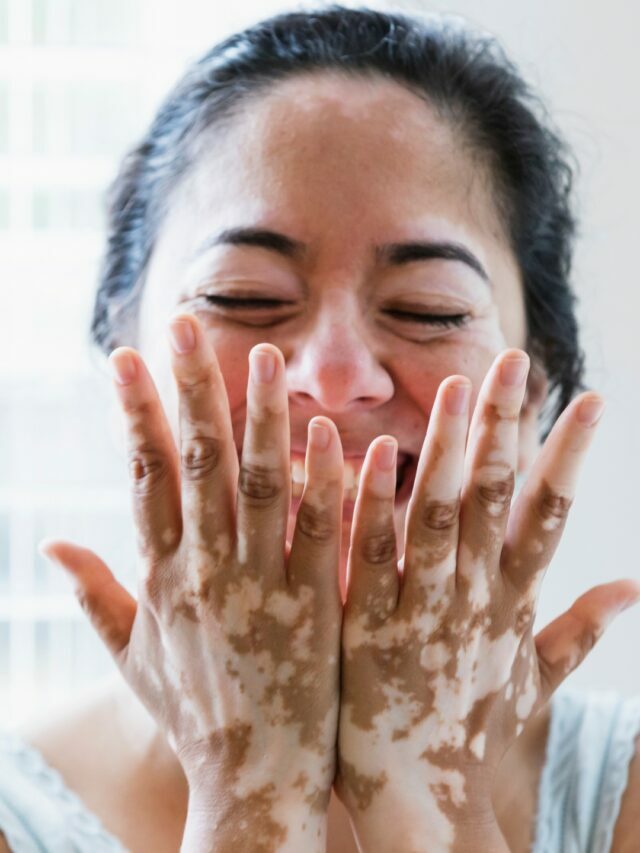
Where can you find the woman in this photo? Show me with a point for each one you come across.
(368, 209)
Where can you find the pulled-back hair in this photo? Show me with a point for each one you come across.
(463, 74)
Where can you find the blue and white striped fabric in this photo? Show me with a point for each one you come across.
(38, 813)
(591, 743)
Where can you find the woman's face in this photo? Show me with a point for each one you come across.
(343, 221)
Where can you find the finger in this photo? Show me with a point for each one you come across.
(151, 455)
(541, 509)
(566, 641)
(208, 458)
(264, 484)
(108, 605)
(372, 581)
(315, 548)
(492, 456)
(431, 529)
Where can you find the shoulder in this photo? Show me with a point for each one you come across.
(4, 847)
(627, 829)
(74, 739)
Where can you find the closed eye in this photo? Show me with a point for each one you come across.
(249, 303)
(428, 319)
(245, 301)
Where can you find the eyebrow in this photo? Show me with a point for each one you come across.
(395, 254)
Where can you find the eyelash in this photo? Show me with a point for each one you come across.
(235, 302)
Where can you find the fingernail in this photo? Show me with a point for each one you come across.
(319, 436)
(182, 336)
(589, 411)
(386, 455)
(123, 367)
(513, 371)
(457, 399)
(263, 366)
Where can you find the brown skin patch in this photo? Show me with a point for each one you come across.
(361, 788)
(188, 610)
(316, 798)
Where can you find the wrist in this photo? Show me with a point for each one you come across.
(222, 823)
(468, 838)
(445, 823)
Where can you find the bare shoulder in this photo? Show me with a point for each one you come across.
(110, 753)
(627, 831)
(4, 847)
(70, 739)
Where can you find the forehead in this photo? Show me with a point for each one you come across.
(325, 155)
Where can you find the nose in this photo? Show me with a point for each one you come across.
(334, 369)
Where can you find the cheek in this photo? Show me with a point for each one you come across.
(232, 352)
(419, 372)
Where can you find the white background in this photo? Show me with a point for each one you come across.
(59, 474)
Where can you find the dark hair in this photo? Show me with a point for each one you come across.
(464, 75)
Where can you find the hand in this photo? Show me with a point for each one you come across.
(440, 667)
(232, 644)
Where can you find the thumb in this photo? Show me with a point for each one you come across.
(566, 641)
(107, 603)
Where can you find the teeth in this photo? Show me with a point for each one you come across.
(297, 471)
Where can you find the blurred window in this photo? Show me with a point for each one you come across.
(76, 90)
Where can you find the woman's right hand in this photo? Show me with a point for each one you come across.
(233, 644)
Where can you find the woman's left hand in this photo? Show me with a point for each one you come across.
(440, 667)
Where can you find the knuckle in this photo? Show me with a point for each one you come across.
(551, 506)
(260, 485)
(496, 414)
(440, 515)
(148, 469)
(314, 523)
(138, 411)
(494, 493)
(195, 382)
(379, 547)
(199, 457)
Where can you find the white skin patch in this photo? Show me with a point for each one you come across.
(169, 536)
(242, 548)
(435, 656)
(526, 700)
(477, 745)
(476, 574)
(536, 546)
(497, 657)
(284, 672)
(285, 608)
(551, 523)
(240, 603)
